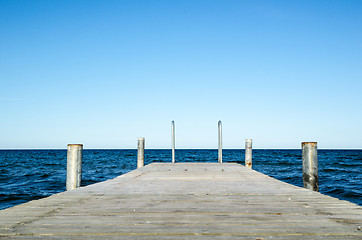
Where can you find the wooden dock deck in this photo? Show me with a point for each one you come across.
(185, 201)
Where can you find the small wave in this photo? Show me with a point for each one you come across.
(130, 155)
(344, 193)
(45, 175)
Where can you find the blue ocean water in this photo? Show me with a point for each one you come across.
(32, 174)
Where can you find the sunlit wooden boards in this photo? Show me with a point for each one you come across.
(185, 201)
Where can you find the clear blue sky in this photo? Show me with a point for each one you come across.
(103, 73)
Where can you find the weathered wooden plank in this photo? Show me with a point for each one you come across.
(178, 201)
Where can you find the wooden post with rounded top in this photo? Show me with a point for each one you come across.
(141, 152)
(248, 153)
(310, 166)
(74, 166)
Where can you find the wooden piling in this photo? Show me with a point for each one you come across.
(173, 140)
(220, 142)
(310, 166)
(74, 166)
(141, 152)
(248, 153)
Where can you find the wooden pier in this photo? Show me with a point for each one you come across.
(185, 201)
